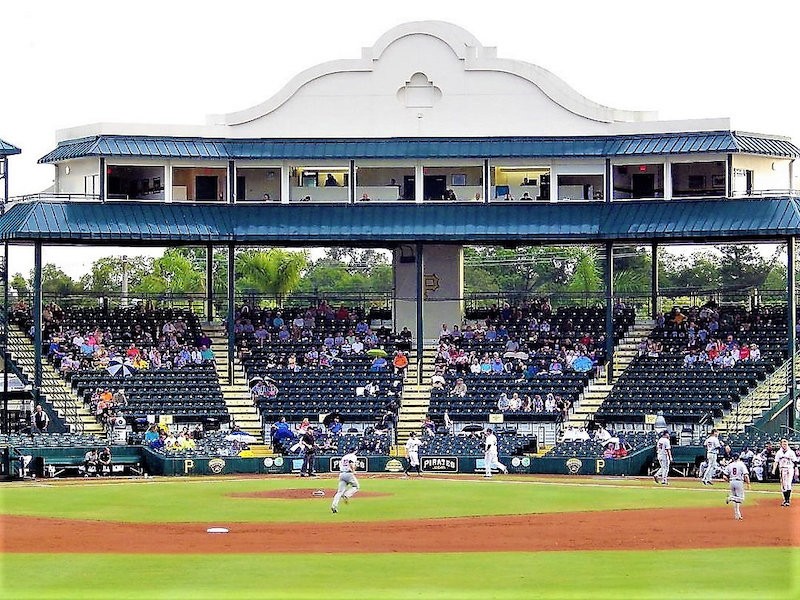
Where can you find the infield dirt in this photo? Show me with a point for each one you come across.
(766, 524)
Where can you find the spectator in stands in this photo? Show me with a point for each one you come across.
(602, 435)
(437, 380)
(400, 363)
(428, 427)
(207, 354)
(515, 402)
(608, 452)
(150, 435)
(503, 403)
(378, 364)
(335, 426)
(280, 430)
(459, 389)
(39, 420)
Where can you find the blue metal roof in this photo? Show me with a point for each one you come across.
(7, 149)
(414, 148)
(391, 224)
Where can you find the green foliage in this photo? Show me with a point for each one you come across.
(274, 271)
(19, 284)
(348, 270)
(106, 273)
(57, 282)
(172, 273)
(587, 276)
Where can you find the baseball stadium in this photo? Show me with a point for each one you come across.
(216, 423)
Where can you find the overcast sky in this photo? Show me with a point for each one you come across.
(72, 63)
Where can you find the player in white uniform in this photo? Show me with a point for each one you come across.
(736, 474)
(348, 484)
(412, 453)
(490, 454)
(785, 460)
(757, 466)
(664, 455)
(712, 445)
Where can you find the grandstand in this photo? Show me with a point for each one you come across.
(382, 162)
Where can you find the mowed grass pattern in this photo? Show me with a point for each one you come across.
(197, 500)
(727, 574)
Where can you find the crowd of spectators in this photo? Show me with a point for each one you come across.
(704, 336)
(137, 343)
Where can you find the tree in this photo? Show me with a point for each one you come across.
(742, 266)
(274, 271)
(20, 286)
(587, 276)
(172, 273)
(106, 273)
(57, 282)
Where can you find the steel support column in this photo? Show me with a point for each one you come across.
(351, 182)
(231, 182)
(420, 297)
(101, 180)
(231, 310)
(209, 282)
(6, 424)
(36, 311)
(5, 179)
(791, 311)
(609, 284)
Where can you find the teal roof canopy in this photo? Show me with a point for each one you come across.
(390, 224)
(415, 148)
(7, 149)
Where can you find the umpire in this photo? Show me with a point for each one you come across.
(308, 444)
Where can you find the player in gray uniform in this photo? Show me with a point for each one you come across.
(736, 474)
(785, 460)
(712, 445)
(348, 484)
(664, 454)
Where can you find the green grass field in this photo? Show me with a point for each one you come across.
(728, 573)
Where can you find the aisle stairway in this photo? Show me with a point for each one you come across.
(236, 393)
(598, 389)
(416, 397)
(760, 399)
(69, 407)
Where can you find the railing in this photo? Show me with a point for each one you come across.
(305, 198)
(50, 196)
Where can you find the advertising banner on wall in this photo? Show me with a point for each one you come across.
(439, 464)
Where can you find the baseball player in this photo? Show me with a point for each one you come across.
(785, 460)
(490, 454)
(664, 454)
(412, 453)
(757, 466)
(712, 445)
(735, 472)
(348, 484)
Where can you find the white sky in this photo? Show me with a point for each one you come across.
(72, 63)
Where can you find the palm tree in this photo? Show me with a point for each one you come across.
(274, 271)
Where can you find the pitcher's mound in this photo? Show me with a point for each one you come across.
(299, 494)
